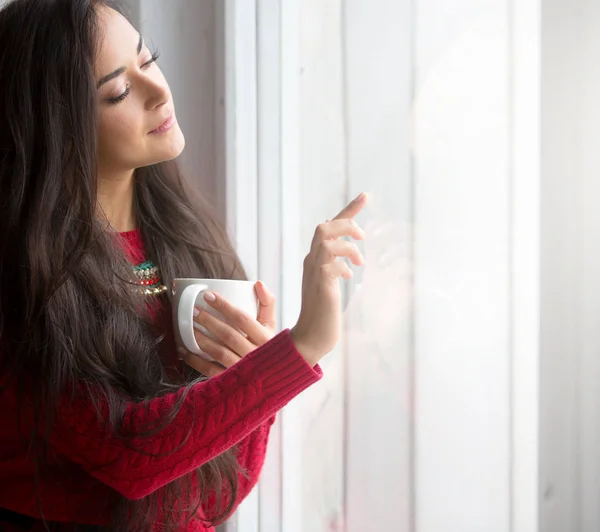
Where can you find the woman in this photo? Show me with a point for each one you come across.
(106, 426)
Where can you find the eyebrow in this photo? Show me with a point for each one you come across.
(121, 70)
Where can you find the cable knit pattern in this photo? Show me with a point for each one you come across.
(216, 415)
(235, 408)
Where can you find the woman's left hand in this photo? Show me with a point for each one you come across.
(228, 345)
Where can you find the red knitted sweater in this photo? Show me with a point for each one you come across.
(235, 408)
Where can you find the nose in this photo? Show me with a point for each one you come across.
(157, 93)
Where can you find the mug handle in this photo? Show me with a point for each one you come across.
(185, 316)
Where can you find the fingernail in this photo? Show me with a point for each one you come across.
(196, 313)
(209, 296)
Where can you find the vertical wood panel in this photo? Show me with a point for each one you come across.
(378, 58)
(561, 255)
(321, 187)
(462, 255)
(525, 56)
(270, 222)
(241, 167)
(242, 134)
(589, 391)
(292, 466)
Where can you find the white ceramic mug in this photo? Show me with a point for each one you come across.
(189, 293)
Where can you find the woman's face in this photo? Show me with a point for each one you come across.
(137, 116)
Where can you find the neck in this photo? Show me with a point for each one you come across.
(115, 201)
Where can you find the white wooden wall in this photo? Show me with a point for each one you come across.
(413, 426)
(462, 265)
(570, 427)
(415, 404)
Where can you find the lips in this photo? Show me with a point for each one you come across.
(166, 125)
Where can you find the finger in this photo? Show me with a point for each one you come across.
(337, 229)
(238, 318)
(206, 368)
(218, 352)
(331, 249)
(227, 335)
(336, 269)
(266, 312)
(354, 207)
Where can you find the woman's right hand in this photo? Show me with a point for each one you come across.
(319, 326)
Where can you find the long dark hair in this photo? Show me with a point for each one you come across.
(59, 264)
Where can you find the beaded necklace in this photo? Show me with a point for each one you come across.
(149, 279)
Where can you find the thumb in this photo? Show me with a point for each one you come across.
(266, 312)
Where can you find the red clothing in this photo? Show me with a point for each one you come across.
(235, 408)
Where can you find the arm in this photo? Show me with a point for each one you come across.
(252, 455)
(216, 415)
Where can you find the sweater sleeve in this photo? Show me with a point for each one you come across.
(252, 451)
(215, 415)
(252, 455)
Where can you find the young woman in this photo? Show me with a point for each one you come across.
(105, 426)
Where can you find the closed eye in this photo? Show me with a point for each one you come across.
(121, 97)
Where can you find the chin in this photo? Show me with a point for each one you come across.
(171, 149)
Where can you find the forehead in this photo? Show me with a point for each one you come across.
(118, 40)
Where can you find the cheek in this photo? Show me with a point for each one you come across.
(118, 130)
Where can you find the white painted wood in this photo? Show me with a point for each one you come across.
(378, 58)
(220, 127)
(462, 250)
(570, 371)
(241, 118)
(241, 165)
(322, 193)
(588, 509)
(292, 466)
(270, 220)
(285, 126)
(525, 57)
(561, 256)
